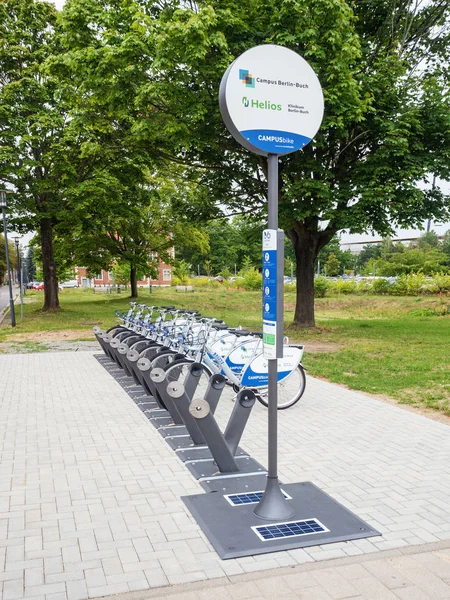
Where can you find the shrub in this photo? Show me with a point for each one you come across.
(321, 286)
(177, 281)
(412, 284)
(400, 287)
(381, 286)
(415, 283)
(440, 284)
(238, 283)
(364, 287)
(199, 282)
(252, 280)
(344, 287)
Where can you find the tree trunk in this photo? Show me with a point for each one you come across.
(305, 248)
(307, 244)
(133, 282)
(51, 301)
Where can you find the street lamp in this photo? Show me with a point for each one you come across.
(11, 299)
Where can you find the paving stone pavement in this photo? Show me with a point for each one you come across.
(412, 573)
(90, 492)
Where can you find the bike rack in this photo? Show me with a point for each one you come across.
(177, 393)
(183, 412)
(158, 376)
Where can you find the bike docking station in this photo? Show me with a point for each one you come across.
(272, 103)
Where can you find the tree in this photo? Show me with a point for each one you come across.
(332, 266)
(346, 261)
(446, 244)
(34, 147)
(428, 240)
(30, 265)
(427, 257)
(369, 251)
(136, 228)
(230, 240)
(12, 258)
(386, 122)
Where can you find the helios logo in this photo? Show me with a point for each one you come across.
(262, 104)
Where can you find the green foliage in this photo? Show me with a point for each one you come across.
(345, 286)
(321, 286)
(381, 286)
(12, 257)
(332, 266)
(29, 264)
(252, 279)
(121, 274)
(370, 252)
(412, 260)
(385, 126)
(226, 273)
(110, 92)
(340, 262)
(181, 272)
(440, 283)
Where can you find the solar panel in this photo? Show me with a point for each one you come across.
(248, 498)
(276, 531)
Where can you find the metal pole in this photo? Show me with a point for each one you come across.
(11, 299)
(19, 271)
(21, 287)
(273, 504)
(433, 187)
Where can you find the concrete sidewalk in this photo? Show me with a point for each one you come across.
(413, 573)
(90, 494)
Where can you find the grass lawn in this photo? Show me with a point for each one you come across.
(397, 346)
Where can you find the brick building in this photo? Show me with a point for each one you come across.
(104, 278)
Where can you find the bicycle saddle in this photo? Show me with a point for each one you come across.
(257, 333)
(239, 332)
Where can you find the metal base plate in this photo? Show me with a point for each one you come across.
(208, 468)
(102, 358)
(147, 405)
(126, 382)
(199, 453)
(180, 442)
(232, 483)
(171, 430)
(229, 528)
(158, 421)
(134, 389)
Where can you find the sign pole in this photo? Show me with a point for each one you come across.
(273, 504)
(272, 104)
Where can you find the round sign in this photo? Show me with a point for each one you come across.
(271, 100)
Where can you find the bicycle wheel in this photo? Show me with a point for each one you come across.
(290, 390)
(179, 372)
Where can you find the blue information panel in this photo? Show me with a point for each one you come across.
(269, 264)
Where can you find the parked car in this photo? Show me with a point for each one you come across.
(38, 285)
(73, 283)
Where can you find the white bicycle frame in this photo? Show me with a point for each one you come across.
(244, 364)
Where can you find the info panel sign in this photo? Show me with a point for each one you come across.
(273, 252)
(271, 100)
